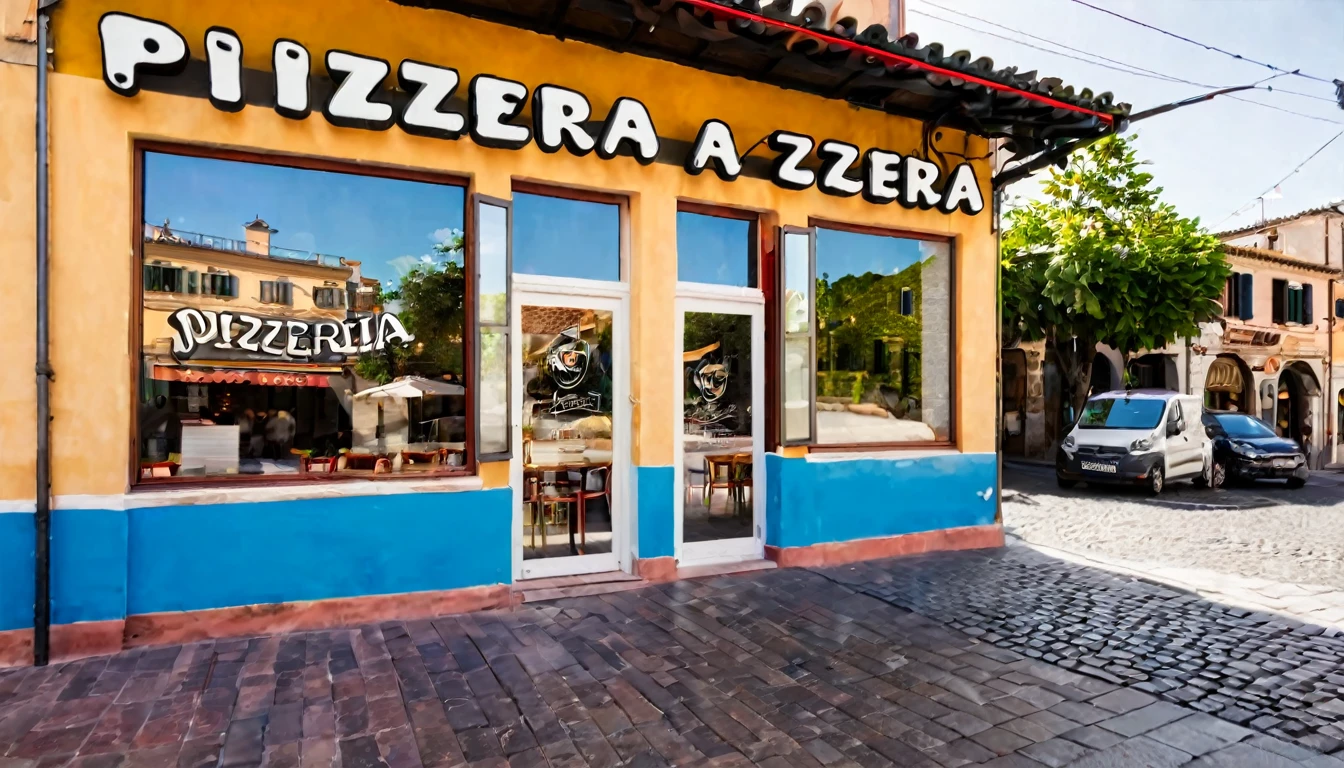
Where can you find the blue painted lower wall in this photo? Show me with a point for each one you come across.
(88, 565)
(654, 500)
(214, 556)
(110, 564)
(17, 552)
(814, 502)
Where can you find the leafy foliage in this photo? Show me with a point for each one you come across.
(1103, 260)
(430, 300)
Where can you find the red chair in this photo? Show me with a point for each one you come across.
(318, 464)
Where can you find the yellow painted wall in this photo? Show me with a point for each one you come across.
(93, 130)
(18, 303)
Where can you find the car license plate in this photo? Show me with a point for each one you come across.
(1283, 463)
(1097, 466)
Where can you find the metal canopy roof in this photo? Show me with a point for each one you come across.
(837, 61)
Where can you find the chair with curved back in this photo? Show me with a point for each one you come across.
(599, 477)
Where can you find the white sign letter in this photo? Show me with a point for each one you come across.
(493, 102)
(715, 144)
(881, 172)
(431, 86)
(291, 64)
(557, 114)
(963, 192)
(359, 77)
(793, 149)
(224, 52)
(628, 121)
(133, 46)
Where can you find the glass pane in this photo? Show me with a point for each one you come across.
(363, 376)
(566, 238)
(797, 338)
(567, 431)
(883, 339)
(712, 249)
(493, 392)
(494, 266)
(716, 433)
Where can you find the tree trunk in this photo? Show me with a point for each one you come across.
(1075, 358)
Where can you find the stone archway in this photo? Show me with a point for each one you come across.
(1229, 385)
(1296, 406)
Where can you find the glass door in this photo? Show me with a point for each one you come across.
(720, 430)
(569, 476)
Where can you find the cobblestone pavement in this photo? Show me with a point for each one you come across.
(1265, 671)
(777, 669)
(1263, 531)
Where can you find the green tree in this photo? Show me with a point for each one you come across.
(1101, 259)
(431, 299)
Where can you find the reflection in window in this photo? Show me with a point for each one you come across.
(714, 249)
(325, 339)
(883, 323)
(797, 353)
(560, 237)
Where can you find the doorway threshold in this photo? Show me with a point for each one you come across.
(557, 587)
(723, 569)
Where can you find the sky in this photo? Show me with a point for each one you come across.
(389, 225)
(1214, 158)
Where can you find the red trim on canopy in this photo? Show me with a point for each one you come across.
(894, 58)
(264, 378)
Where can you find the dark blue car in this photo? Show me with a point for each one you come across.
(1245, 448)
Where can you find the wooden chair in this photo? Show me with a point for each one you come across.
(691, 473)
(718, 474)
(557, 489)
(603, 477)
(532, 503)
(741, 478)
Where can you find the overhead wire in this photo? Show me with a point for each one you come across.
(1206, 46)
(1114, 64)
(1290, 174)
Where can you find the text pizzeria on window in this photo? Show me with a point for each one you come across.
(423, 303)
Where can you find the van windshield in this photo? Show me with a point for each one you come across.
(1117, 413)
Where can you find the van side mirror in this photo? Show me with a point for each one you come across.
(1175, 427)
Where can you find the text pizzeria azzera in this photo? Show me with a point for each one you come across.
(133, 47)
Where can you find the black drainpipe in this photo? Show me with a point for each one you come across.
(42, 518)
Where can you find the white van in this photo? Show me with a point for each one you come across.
(1144, 436)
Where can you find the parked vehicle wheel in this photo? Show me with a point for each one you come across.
(1156, 480)
(1212, 477)
(1218, 475)
(1296, 482)
(1065, 482)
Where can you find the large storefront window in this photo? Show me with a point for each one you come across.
(883, 314)
(300, 322)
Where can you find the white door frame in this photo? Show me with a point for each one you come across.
(585, 294)
(749, 303)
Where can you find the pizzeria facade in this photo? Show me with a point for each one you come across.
(362, 310)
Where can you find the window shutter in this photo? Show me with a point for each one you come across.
(1246, 300)
(233, 286)
(1279, 307)
(1308, 316)
(192, 277)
